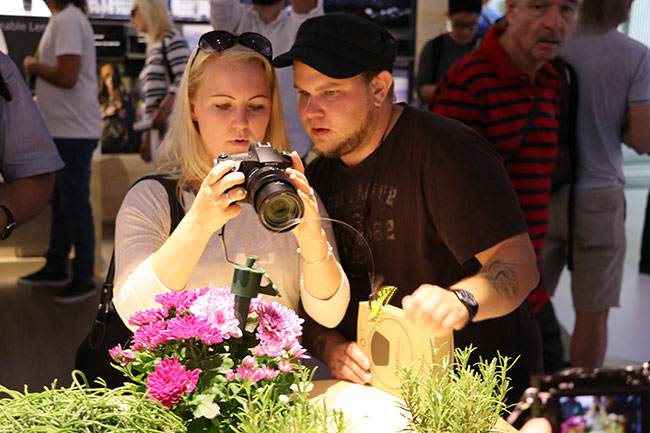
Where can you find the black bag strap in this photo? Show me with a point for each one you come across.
(4, 90)
(437, 45)
(168, 66)
(510, 157)
(176, 214)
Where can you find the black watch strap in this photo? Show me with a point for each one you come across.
(468, 300)
(11, 223)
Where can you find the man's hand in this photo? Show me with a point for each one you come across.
(435, 309)
(346, 361)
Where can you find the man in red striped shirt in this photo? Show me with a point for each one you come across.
(508, 92)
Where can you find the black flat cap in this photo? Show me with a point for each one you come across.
(341, 46)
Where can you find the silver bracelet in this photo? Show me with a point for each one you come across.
(330, 252)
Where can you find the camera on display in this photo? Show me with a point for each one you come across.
(269, 188)
(591, 400)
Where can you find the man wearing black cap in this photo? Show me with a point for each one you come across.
(441, 218)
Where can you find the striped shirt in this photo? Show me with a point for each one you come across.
(488, 93)
(154, 75)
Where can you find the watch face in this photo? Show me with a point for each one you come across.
(469, 301)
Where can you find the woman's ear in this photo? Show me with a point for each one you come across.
(193, 111)
(381, 84)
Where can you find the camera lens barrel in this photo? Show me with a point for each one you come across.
(275, 199)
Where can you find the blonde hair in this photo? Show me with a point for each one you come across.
(155, 17)
(182, 153)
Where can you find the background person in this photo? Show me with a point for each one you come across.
(440, 53)
(279, 24)
(117, 111)
(28, 156)
(167, 54)
(441, 219)
(614, 101)
(66, 91)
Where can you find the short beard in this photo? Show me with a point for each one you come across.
(354, 140)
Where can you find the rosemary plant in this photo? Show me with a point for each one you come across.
(264, 414)
(454, 397)
(80, 408)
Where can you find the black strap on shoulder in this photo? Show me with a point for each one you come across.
(176, 214)
(437, 45)
(4, 90)
(168, 66)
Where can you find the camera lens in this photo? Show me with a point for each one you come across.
(281, 212)
(275, 198)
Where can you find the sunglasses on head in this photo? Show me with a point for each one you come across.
(220, 40)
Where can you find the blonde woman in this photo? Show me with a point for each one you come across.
(228, 98)
(167, 54)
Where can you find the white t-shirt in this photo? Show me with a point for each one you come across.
(236, 17)
(142, 226)
(70, 112)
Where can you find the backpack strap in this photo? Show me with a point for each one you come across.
(176, 214)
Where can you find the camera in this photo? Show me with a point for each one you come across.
(592, 399)
(269, 188)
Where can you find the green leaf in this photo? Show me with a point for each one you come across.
(205, 406)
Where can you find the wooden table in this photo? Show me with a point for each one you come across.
(369, 409)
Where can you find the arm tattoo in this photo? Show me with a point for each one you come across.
(314, 338)
(503, 278)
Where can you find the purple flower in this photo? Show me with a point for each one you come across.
(230, 375)
(170, 381)
(249, 361)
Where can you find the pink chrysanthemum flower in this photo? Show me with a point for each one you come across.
(170, 381)
(217, 307)
(297, 351)
(149, 336)
(269, 373)
(252, 374)
(277, 322)
(183, 328)
(179, 301)
(142, 318)
(120, 355)
(284, 366)
(230, 375)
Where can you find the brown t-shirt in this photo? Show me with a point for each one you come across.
(431, 197)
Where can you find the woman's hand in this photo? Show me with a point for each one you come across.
(215, 201)
(310, 225)
(29, 63)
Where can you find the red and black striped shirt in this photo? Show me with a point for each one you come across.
(488, 93)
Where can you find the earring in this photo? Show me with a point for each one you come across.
(377, 104)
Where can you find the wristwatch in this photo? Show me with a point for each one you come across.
(11, 223)
(468, 300)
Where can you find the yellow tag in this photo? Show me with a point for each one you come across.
(382, 297)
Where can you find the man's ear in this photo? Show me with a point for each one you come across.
(381, 84)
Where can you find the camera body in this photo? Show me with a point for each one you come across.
(584, 400)
(269, 188)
